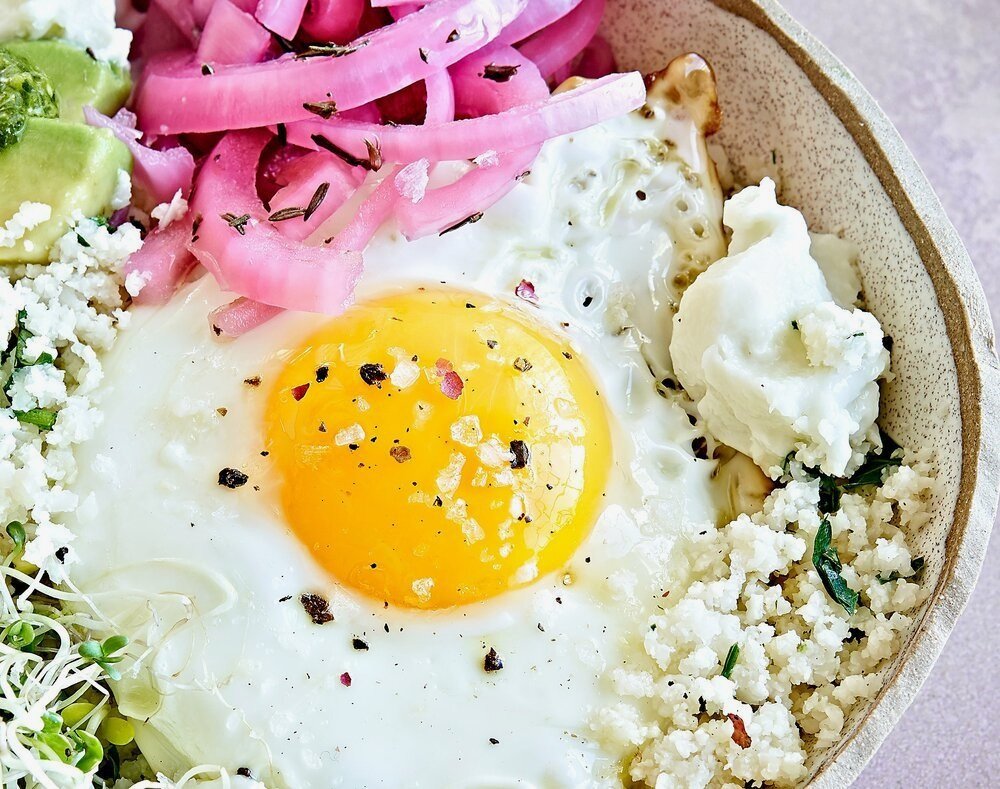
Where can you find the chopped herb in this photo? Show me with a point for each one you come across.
(740, 736)
(42, 418)
(499, 73)
(871, 472)
(916, 564)
(731, 658)
(492, 661)
(15, 530)
(786, 464)
(829, 494)
(325, 109)
(237, 223)
(469, 220)
(828, 565)
(106, 654)
(373, 374)
(285, 214)
(232, 478)
(316, 201)
(317, 607)
(522, 455)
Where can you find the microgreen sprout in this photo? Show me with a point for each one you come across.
(106, 654)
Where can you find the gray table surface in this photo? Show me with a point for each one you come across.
(934, 66)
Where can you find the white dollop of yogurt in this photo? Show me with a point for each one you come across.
(86, 24)
(774, 364)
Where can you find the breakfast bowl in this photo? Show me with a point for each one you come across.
(842, 162)
(594, 387)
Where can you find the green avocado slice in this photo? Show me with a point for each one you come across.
(79, 80)
(69, 166)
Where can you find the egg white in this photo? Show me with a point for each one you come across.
(209, 578)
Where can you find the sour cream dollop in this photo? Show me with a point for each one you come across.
(774, 364)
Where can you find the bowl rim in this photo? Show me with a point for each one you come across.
(972, 341)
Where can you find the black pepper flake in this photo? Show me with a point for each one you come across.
(522, 455)
(640, 194)
(324, 109)
(360, 644)
(317, 607)
(400, 454)
(491, 344)
(245, 772)
(700, 448)
(316, 201)
(322, 373)
(438, 502)
(282, 135)
(521, 364)
(373, 374)
(494, 741)
(499, 73)
(207, 70)
(492, 661)
(216, 330)
(353, 447)
(469, 306)
(887, 342)
(237, 223)
(588, 301)
(322, 427)
(567, 354)
(453, 36)
(423, 54)
(469, 220)
(299, 392)
(232, 478)
(285, 599)
(61, 554)
(90, 53)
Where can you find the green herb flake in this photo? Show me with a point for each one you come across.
(731, 658)
(827, 563)
(42, 418)
(829, 494)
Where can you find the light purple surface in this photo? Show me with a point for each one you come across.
(934, 66)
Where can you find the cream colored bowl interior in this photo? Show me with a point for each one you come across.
(844, 166)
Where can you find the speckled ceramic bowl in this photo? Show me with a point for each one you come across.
(843, 164)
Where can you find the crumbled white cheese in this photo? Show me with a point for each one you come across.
(773, 363)
(405, 374)
(349, 435)
(71, 308)
(135, 281)
(165, 213)
(28, 216)
(89, 25)
(122, 195)
(466, 430)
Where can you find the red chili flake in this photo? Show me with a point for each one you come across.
(299, 392)
(492, 661)
(400, 454)
(525, 290)
(345, 680)
(317, 607)
(740, 736)
(452, 385)
(443, 366)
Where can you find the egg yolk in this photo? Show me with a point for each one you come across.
(436, 448)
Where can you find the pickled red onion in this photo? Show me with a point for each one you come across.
(306, 179)
(281, 16)
(159, 174)
(232, 36)
(246, 253)
(559, 43)
(539, 14)
(332, 20)
(240, 316)
(176, 97)
(162, 260)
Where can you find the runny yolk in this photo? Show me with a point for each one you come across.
(436, 448)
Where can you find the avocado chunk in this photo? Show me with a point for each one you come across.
(25, 92)
(78, 79)
(69, 166)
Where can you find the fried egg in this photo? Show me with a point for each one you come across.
(405, 546)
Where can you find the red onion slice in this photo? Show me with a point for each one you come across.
(176, 97)
(559, 43)
(163, 260)
(281, 16)
(232, 36)
(246, 253)
(240, 316)
(332, 20)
